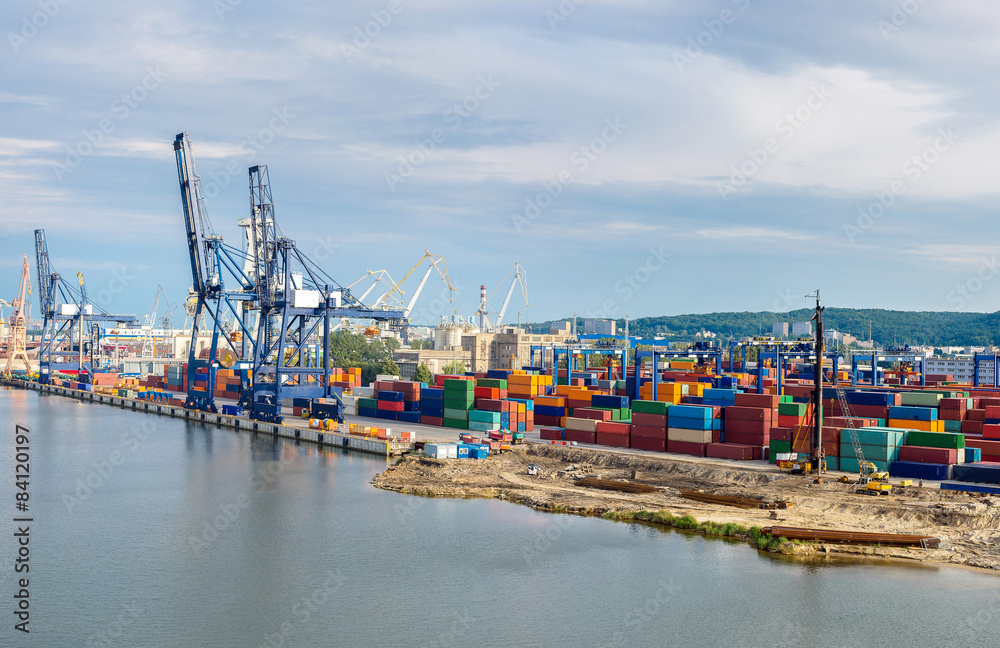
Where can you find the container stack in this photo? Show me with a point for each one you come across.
(879, 445)
(459, 397)
(649, 425)
(432, 406)
(550, 410)
(689, 429)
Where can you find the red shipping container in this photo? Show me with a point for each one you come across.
(988, 446)
(551, 434)
(928, 455)
(581, 437)
(391, 406)
(489, 404)
(486, 392)
(616, 440)
(607, 427)
(988, 401)
(993, 412)
(648, 443)
(951, 414)
(975, 415)
(431, 420)
(653, 420)
(593, 414)
(972, 427)
(781, 434)
(787, 420)
(732, 451)
(752, 427)
(648, 432)
(766, 401)
(954, 403)
(743, 438)
(544, 419)
(735, 413)
(684, 447)
(991, 431)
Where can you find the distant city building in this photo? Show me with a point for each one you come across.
(780, 329)
(802, 328)
(960, 369)
(562, 328)
(599, 326)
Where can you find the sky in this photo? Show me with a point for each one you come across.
(636, 157)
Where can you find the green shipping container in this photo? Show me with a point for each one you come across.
(367, 403)
(454, 384)
(649, 407)
(482, 417)
(935, 439)
(850, 464)
(460, 402)
(869, 436)
(482, 426)
(454, 423)
(952, 426)
(494, 383)
(832, 463)
(920, 399)
(792, 409)
(778, 447)
(456, 414)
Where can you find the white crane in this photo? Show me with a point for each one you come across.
(485, 324)
(437, 263)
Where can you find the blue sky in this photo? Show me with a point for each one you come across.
(640, 158)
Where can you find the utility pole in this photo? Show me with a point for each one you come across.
(816, 444)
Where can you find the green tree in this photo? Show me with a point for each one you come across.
(454, 368)
(417, 345)
(422, 374)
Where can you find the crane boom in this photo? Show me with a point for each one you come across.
(46, 298)
(517, 269)
(416, 293)
(195, 226)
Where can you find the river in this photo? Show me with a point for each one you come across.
(152, 531)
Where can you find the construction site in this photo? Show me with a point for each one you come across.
(870, 454)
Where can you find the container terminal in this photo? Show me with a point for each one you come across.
(763, 430)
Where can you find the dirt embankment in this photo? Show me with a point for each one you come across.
(971, 525)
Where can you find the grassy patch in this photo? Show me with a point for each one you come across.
(753, 534)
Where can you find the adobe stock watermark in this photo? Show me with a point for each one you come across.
(112, 632)
(546, 538)
(32, 25)
(563, 12)
(121, 278)
(786, 126)
(913, 170)
(231, 511)
(440, 305)
(704, 39)
(249, 149)
(365, 34)
(968, 289)
(121, 107)
(652, 608)
(101, 471)
(580, 161)
(631, 283)
(901, 14)
(305, 608)
(453, 117)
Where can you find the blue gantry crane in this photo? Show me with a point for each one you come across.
(297, 301)
(212, 263)
(286, 349)
(65, 311)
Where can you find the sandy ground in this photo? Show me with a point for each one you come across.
(970, 524)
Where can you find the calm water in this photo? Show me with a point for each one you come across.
(151, 531)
